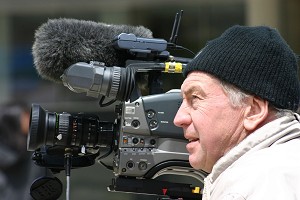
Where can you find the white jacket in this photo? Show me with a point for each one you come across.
(265, 165)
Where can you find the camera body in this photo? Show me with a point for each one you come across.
(142, 140)
(148, 137)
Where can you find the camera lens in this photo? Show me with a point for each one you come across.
(64, 129)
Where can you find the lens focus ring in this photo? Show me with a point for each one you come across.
(116, 78)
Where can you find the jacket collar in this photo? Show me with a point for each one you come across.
(276, 132)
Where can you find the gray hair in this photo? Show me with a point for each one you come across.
(237, 98)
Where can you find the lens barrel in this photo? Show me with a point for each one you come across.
(96, 80)
(64, 129)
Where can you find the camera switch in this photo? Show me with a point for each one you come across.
(125, 140)
(142, 141)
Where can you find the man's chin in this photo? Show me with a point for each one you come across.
(198, 166)
(193, 163)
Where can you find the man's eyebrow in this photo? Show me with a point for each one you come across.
(191, 89)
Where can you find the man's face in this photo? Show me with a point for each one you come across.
(211, 124)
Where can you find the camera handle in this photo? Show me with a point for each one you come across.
(163, 189)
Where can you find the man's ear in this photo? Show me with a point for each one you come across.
(256, 113)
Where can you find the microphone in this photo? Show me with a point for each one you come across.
(60, 43)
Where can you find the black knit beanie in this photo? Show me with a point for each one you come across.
(256, 60)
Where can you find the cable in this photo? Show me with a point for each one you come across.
(102, 104)
(68, 166)
(178, 47)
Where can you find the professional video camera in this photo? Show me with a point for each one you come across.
(143, 141)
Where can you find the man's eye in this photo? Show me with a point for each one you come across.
(194, 101)
(195, 97)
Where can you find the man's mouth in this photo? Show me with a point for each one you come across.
(193, 140)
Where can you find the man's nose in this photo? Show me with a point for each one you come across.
(182, 117)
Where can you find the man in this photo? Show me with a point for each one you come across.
(240, 96)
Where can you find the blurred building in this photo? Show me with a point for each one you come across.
(202, 20)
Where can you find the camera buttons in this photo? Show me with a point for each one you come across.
(130, 164)
(150, 114)
(153, 124)
(135, 123)
(142, 165)
(152, 141)
(135, 140)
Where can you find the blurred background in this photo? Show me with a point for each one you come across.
(202, 20)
